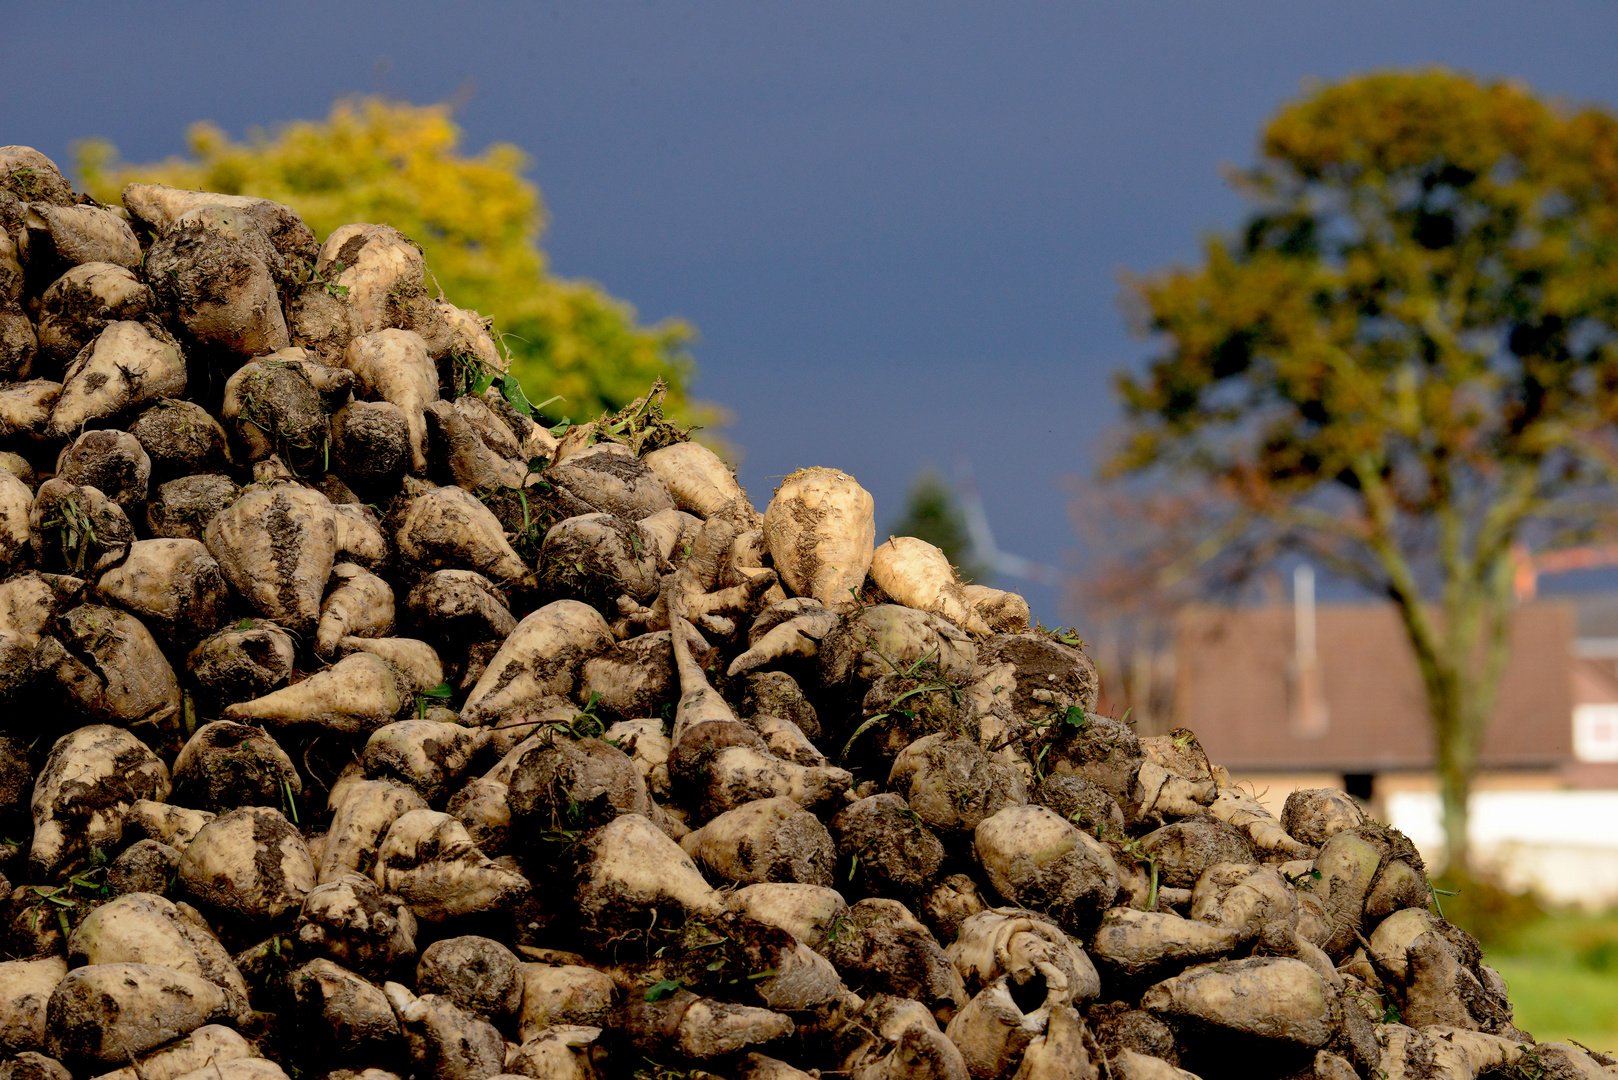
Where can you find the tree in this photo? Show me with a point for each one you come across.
(933, 513)
(478, 223)
(1405, 364)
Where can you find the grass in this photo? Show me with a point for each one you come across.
(1562, 970)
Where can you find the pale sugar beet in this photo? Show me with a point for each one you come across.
(162, 206)
(212, 268)
(697, 478)
(394, 365)
(821, 532)
(81, 303)
(542, 656)
(357, 694)
(129, 364)
(276, 546)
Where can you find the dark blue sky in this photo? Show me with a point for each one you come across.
(898, 226)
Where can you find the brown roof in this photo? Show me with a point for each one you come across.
(1236, 689)
(1595, 681)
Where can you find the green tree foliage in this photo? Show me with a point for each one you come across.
(933, 513)
(478, 222)
(1405, 364)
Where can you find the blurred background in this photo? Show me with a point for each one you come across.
(922, 243)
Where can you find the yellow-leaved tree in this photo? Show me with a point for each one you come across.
(477, 220)
(1404, 364)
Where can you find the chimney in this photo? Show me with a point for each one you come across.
(1309, 715)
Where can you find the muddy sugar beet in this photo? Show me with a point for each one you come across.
(358, 726)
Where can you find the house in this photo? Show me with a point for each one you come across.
(1303, 695)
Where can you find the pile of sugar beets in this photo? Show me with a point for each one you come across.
(356, 725)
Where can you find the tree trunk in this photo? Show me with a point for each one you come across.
(1456, 765)
(1461, 673)
(1447, 710)
(1481, 667)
